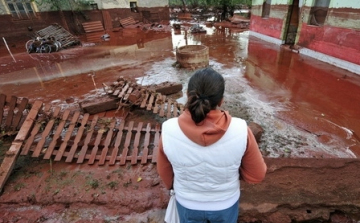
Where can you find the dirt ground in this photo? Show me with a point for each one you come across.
(313, 125)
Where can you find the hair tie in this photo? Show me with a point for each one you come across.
(203, 97)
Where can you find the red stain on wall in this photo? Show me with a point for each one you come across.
(338, 42)
(267, 26)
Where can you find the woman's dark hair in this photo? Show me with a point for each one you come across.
(205, 91)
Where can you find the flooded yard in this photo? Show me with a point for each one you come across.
(307, 108)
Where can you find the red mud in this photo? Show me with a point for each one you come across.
(319, 95)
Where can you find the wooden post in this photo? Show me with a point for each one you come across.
(12, 154)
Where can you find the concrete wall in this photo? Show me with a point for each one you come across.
(339, 36)
(272, 26)
(335, 40)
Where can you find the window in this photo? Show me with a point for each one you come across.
(20, 9)
(318, 12)
(133, 7)
(266, 9)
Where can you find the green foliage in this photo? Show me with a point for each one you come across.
(58, 5)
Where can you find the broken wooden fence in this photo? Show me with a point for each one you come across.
(12, 114)
(50, 133)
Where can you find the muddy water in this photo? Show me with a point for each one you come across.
(307, 108)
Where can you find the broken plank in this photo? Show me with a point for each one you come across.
(151, 100)
(59, 129)
(127, 143)
(143, 103)
(10, 114)
(89, 134)
(107, 142)
(11, 155)
(117, 143)
(136, 144)
(145, 151)
(16, 124)
(156, 143)
(2, 106)
(45, 133)
(79, 134)
(67, 136)
(38, 123)
(168, 107)
(96, 144)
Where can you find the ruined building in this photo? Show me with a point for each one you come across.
(18, 18)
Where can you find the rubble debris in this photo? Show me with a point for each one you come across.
(123, 94)
(127, 22)
(197, 29)
(95, 26)
(166, 88)
(51, 39)
(99, 105)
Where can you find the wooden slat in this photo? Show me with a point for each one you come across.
(127, 21)
(59, 129)
(94, 26)
(11, 155)
(2, 106)
(162, 109)
(181, 109)
(143, 103)
(145, 151)
(79, 134)
(151, 100)
(96, 144)
(16, 124)
(107, 20)
(107, 142)
(45, 133)
(136, 144)
(175, 109)
(156, 143)
(122, 93)
(117, 143)
(128, 92)
(68, 134)
(168, 107)
(10, 114)
(156, 104)
(127, 143)
(89, 134)
(33, 133)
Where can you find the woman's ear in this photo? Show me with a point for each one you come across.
(221, 102)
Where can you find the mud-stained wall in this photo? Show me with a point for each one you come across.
(338, 37)
(15, 30)
(271, 26)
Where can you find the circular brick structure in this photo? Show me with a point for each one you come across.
(193, 56)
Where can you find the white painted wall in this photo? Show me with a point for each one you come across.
(153, 3)
(345, 4)
(110, 4)
(337, 3)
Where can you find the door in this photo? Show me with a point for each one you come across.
(292, 23)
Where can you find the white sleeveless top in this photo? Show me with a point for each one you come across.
(206, 177)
